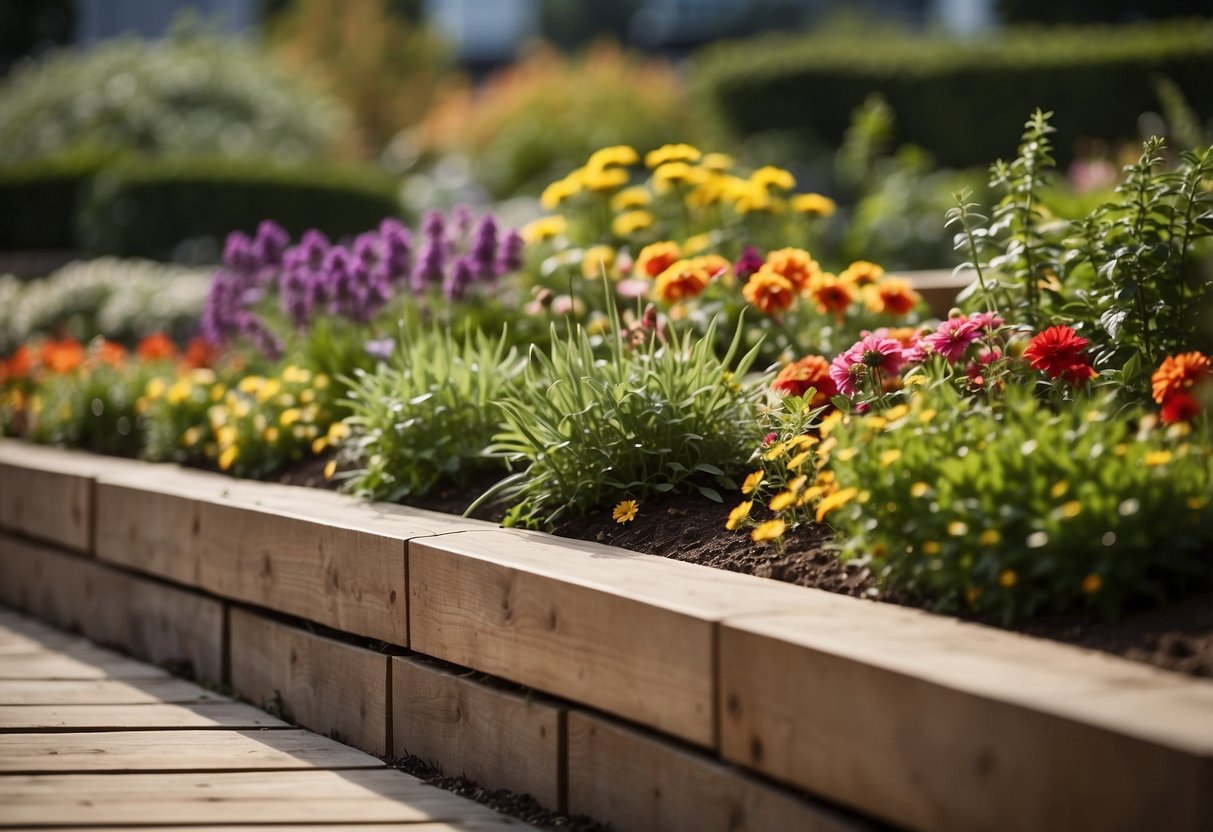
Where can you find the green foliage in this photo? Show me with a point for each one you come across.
(941, 88)
(121, 300)
(428, 415)
(188, 94)
(40, 200)
(1010, 508)
(93, 408)
(147, 207)
(637, 422)
(174, 412)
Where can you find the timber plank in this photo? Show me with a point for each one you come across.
(496, 738)
(424, 826)
(104, 692)
(333, 688)
(635, 781)
(630, 634)
(123, 751)
(278, 797)
(934, 723)
(96, 717)
(154, 621)
(101, 665)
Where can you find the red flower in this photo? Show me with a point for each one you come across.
(1179, 407)
(1179, 372)
(810, 371)
(1058, 352)
(156, 347)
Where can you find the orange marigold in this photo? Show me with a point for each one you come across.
(862, 273)
(768, 291)
(17, 365)
(832, 294)
(656, 258)
(796, 264)
(156, 347)
(62, 356)
(111, 353)
(684, 279)
(1179, 372)
(200, 353)
(811, 371)
(892, 296)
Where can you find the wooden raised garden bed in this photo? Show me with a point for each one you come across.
(644, 692)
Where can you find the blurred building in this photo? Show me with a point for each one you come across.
(98, 20)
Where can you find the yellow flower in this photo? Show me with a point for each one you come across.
(619, 154)
(289, 417)
(330, 468)
(629, 198)
(795, 462)
(1155, 458)
(155, 388)
(990, 537)
(769, 530)
(319, 444)
(560, 190)
(227, 435)
(321, 382)
(544, 228)
(270, 435)
(604, 180)
(271, 388)
(958, 527)
(890, 456)
(813, 205)
(293, 374)
(775, 451)
(797, 483)
(718, 162)
(671, 153)
(228, 458)
(1008, 578)
(1092, 583)
(1059, 488)
(896, 412)
(596, 260)
(751, 482)
(773, 177)
(338, 431)
(191, 437)
(629, 222)
(781, 501)
(836, 500)
(1071, 509)
(927, 415)
(625, 511)
(178, 392)
(250, 384)
(741, 512)
(674, 173)
(930, 547)
(697, 243)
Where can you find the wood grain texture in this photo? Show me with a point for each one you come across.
(933, 723)
(629, 634)
(277, 797)
(342, 578)
(96, 717)
(632, 780)
(121, 751)
(155, 622)
(148, 530)
(104, 692)
(102, 664)
(334, 688)
(497, 738)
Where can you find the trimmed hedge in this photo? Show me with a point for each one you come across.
(39, 200)
(146, 208)
(959, 99)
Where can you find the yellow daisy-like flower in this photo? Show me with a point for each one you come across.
(619, 154)
(738, 514)
(813, 205)
(797, 483)
(718, 162)
(1155, 458)
(250, 384)
(596, 259)
(751, 482)
(781, 501)
(330, 468)
(544, 228)
(835, 501)
(625, 511)
(630, 222)
(770, 530)
(289, 416)
(890, 456)
(671, 153)
(228, 458)
(755, 200)
(630, 198)
(607, 179)
(675, 173)
(560, 190)
(698, 243)
(862, 273)
(1071, 509)
(191, 437)
(155, 388)
(800, 459)
(773, 177)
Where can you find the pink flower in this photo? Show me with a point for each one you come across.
(953, 337)
(919, 350)
(880, 353)
(987, 321)
(846, 370)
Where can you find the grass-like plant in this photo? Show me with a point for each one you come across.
(1009, 508)
(428, 413)
(647, 417)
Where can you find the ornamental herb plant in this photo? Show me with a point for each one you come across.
(1007, 507)
(651, 415)
(427, 413)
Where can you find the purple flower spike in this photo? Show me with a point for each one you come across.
(430, 266)
(270, 244)
(513, 248)
(462, 275)
(484, 248)
(397, 248)
(433, 226)
(366, 248)
(238, 252)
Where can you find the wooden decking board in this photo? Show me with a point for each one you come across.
(44, 692)
(222, 715)
(65, 667)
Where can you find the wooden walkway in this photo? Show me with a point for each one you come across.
(90, 738)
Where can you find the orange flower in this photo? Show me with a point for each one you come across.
(768, 291)
(1178, 373)
(18, 365)
(832, 294)
(62, 356)
(796, 264)
(684, 279)
(656, 258)
(862, 273)
(156, 347)
(200, 353)
(893, 296)
(110, 352)
(811, 371)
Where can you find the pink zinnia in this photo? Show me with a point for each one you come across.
(845, 371)
(880, 353)
(953, 337)
(987, 320)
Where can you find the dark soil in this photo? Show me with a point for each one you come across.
(1177, 636)
(521, 806)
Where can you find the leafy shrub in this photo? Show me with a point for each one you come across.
(121, 300)
(1010, 508)
(40, 200)
(193, 93)
(812, 83)
(648, 418)
(547, 112)
(146, 208)
(428, 413)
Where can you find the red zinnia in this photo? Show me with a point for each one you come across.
(811, 371)
(1180, 407)
(1177, 373)
(1058, 352)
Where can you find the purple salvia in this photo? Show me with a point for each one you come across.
(270, 244)
(259, 334)
(294, 292)
(397, 248)
(513, 248)
(430, 266)
(238, 252)
(462, 275)
(367, 248)
(484, 248)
